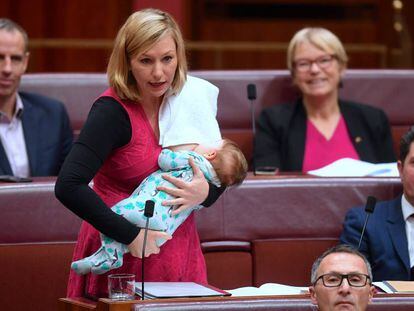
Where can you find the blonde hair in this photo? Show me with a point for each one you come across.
(230, 164)
(140, 32)
(321, 38)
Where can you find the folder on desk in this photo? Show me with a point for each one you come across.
(399, 286)
(177, 289)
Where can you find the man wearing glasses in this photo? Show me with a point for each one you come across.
(341, 280)
(320, 127)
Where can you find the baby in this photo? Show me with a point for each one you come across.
(224, 165)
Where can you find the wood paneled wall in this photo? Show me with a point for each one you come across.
(221, 34)
(74, 19)
(363, 22)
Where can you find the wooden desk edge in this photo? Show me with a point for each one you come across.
(106, 304)
(76, 304)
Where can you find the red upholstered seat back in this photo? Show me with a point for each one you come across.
(390, 90)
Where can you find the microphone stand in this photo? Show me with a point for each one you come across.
(363, 231)
(369, 209)
(251, 95)
(148, 212)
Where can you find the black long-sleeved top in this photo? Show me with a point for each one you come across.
(281, 134)
(107, 128)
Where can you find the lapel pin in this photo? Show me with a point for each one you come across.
(358, 139)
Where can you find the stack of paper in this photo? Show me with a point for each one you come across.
(347, 167)
(391, 287)
(268, 289)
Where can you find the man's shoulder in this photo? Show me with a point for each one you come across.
(39, 100)
(381, 208)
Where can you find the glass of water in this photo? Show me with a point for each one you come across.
(121, 286)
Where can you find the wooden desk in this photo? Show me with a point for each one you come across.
(381, 302)
(105, 304)
(296, 218)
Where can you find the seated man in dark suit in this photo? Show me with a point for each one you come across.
(388, 242)
(35, 132)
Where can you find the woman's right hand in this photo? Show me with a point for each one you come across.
(135, 247)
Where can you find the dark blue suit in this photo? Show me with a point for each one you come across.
(47, 133)
(385, 241)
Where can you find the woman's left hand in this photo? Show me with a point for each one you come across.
(187, 194)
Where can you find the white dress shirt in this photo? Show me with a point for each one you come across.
(12, 139)
(408, 214)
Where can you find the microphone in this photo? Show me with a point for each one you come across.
(251, 91)
(148, 212)
(251, 95)
(369, 209)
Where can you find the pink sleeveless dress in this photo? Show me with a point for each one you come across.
(180, 258)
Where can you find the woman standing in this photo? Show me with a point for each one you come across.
(118, 147)
(320, 128)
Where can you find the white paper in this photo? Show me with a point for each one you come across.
(395, 287)
(347, 167)
(383, 286)
(268, 289)
(175, 289)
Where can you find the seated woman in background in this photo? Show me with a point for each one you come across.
(319, 128)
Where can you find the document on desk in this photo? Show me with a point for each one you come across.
(177, 289)
(268, 289)
(392, 287)
(347, 167)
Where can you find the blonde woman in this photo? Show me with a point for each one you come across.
(319, 127)
(118, 147)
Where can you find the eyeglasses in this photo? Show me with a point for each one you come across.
(304, 65)
(335, 279)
